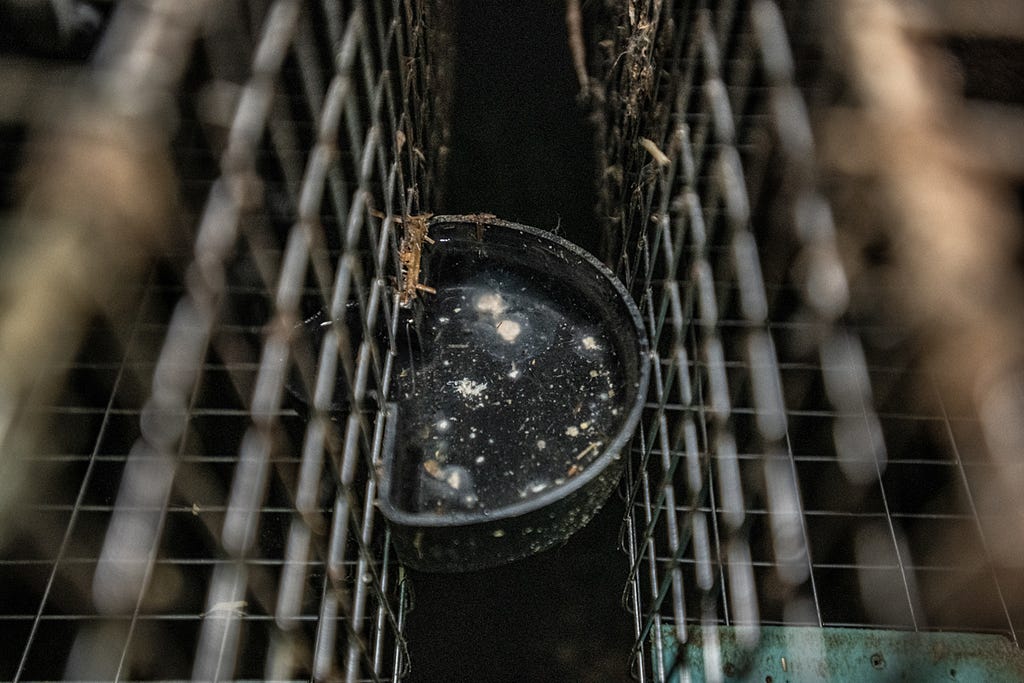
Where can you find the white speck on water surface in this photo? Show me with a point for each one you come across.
(572, 431)
(538, 486)
(541, 445)
(454, 479)
(594, 373)
(491, 303)
(442, 319)
(443, 425)
(509, 330)
(467, 388)
(497, 533)
(514, 372)
(590, 344)
(479, 460)
(458, 310)
(584, 425)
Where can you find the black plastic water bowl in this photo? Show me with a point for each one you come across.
(517, 388)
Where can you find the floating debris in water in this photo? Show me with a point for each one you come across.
(491, 303)
(509, 330)
(467, 388)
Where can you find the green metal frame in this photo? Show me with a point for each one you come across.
(803, 654)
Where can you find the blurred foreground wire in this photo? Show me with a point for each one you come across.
(204, 185)
(838, 324)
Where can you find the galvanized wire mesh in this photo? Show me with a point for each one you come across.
(818, 210)
(209, 507)
(787, 474)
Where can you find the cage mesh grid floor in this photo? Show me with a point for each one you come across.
(188, 508)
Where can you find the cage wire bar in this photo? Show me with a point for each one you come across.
(785, 474)
(216, 464)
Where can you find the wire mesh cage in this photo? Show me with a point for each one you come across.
(217, 175)
(817, 211)
(832, 336)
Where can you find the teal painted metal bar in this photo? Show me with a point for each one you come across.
(803, 654)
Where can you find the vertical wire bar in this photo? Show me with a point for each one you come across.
(778, 65)
(218, 637)
(400, 660)
(152, 552)
(216, 651)
(80, 497)
(975, 516)
(851, 393)
(632, 593)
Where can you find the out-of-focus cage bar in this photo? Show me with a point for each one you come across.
(937, 136)
(242, 539)
(771, 485)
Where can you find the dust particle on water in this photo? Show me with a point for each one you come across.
(467, 388)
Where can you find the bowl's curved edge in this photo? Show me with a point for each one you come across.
(596, 476)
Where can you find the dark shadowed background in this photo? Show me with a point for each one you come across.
(521, 150)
